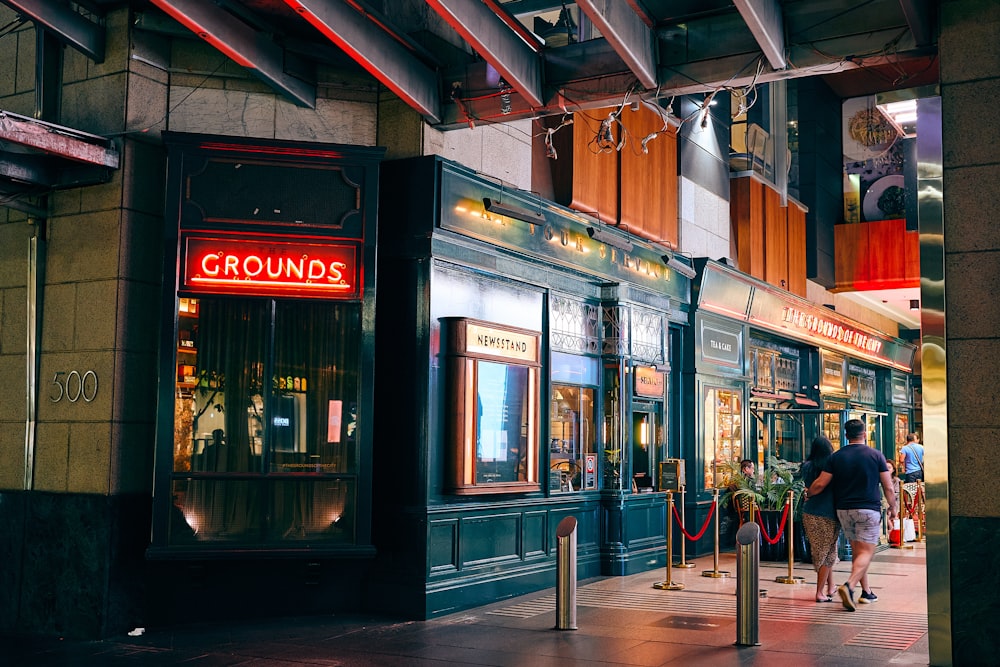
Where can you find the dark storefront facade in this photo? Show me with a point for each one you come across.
(772, 371)
(264, 430)
(525, 374)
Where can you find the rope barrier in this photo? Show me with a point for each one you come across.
(781, 528)
(701, 532)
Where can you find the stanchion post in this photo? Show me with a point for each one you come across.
(920, 504)
(566, 574)
(790, 528)
(715, 572)
(902, 530)
(747, 580)
(683, 563)
(668, 584)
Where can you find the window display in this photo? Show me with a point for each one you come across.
(265, 416)
(901, 429)
(571, 436)
(723, 434)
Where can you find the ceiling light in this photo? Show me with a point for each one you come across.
(603, 236)
(516, 212)
(680, 267)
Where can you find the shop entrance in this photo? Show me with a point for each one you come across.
(784, 436)
(644, 439)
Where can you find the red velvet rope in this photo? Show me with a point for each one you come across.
(700, 532)
(781, 529)
(910, 507)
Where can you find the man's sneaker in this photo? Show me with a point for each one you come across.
(868, 597)
(847, 597)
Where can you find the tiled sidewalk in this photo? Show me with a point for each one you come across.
(620, 621)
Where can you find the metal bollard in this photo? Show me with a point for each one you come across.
(566, 574)
(747, 582)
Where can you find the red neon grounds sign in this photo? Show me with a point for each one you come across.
(234, 266)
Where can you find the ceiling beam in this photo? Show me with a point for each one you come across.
(918, 19)
(70, 27)
(765, 21)
(372, 48)
(497, 44)
(598, 78)
(627, 33)
(241, 44)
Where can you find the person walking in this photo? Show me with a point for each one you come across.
(856, 472)
(819, 519)
(911, 459)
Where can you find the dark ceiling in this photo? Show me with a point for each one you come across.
(456, 61)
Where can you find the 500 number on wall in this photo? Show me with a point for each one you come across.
(74, 386)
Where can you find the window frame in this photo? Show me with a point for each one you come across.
(514, 347)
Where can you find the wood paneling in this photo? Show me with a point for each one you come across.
(796, 249)
(595, 174)
(876, 255)
(775, 239)
(770, 239)
(649, 180)
(746, 206)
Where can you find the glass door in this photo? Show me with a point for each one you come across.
(873, 424)
(644, 439)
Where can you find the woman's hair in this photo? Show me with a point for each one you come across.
(821, 450)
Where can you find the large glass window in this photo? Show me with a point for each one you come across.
(265, 418)
(723, 444)
(502, 423)
(493, 407)
(572, 436)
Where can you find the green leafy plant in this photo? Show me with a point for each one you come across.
(768, 490)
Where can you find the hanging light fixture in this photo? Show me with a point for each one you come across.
(600, 234)
(670, 259)
(512, 211)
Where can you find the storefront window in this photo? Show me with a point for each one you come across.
(494, 388)
(723, 444)
(861, 385)
(265, 417)
(572, 436)
(502, 402)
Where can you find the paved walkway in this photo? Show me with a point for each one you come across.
(620, 621)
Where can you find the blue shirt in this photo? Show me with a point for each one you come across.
(913, 457)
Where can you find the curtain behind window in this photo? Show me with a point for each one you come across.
(287, 444)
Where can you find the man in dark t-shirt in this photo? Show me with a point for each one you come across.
(855, 473)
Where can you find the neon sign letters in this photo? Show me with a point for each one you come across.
(832, 330)
(276, 267)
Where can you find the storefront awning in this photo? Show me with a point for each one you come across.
(37, 157)
(803, 402)
(758, 395)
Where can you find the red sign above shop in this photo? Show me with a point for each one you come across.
(238, 266)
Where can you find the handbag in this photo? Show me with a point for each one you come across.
(909, 530)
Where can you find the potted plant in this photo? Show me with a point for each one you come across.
(768, 492)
